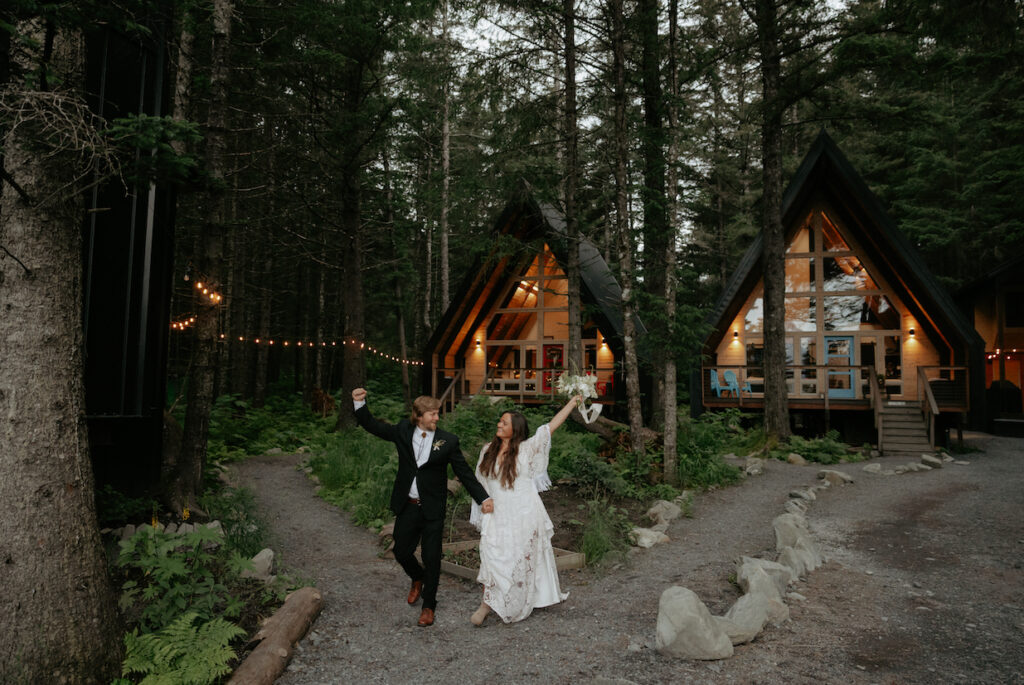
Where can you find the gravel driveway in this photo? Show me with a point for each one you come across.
(923, 584)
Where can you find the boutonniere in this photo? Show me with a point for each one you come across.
(438, 444)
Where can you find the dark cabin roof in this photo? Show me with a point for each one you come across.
(528, 220)
(826, 175)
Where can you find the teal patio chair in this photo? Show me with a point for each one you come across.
(731, 385)
(714, 382)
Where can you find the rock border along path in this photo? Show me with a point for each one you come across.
(913, 561)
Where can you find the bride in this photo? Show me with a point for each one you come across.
(517, 564)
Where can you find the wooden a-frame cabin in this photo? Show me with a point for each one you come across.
(506, 332)
(875, 346)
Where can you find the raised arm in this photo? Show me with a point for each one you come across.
(564, 412)
(370, 423)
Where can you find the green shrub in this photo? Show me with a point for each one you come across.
(244, 530)
(171, 573)
(700, 446)
(605, 532)
(114, 508)
(828, 449)
(357, 472)
(183, 653)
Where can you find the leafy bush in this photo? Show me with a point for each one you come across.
(237, 429)
(828, 449)
(170, 573)
(605, 532)
(244, 530)
(182, 653)
(357, 472)
(700, 445)
(114, 508)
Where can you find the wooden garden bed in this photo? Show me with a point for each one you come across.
(564, 559)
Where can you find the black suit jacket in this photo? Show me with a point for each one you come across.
(432, 477)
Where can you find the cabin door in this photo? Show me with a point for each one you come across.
(839, 360)
(553, 363)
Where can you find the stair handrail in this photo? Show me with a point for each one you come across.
(875, 397)
(448, 396)
(929, 407)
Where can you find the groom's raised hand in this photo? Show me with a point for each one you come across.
(359, 395)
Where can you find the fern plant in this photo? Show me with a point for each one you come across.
(183, 653)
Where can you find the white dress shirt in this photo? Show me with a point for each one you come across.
(421, 442)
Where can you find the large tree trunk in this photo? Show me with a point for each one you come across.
(669, 376)
(632, 368)
(445, 165)
(210, 258)
(656, 231)
(60, 622)
(572, 225)
(776, 410)
(354, 364)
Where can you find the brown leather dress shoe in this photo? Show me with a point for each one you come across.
(414, 591)
(426, 618)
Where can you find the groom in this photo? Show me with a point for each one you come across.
(420, 494)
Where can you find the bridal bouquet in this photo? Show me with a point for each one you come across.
(586, 386)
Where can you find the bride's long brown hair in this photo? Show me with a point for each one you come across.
(489, 462)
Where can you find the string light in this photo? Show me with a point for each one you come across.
(204, 290)
(184, 324)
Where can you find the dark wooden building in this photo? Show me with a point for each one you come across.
(506, 333)
(874, 344)
(128, 260)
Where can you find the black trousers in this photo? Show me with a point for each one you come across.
(411, 529)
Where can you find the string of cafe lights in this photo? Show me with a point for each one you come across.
(215, 298)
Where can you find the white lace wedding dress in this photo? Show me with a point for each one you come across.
(517, 564)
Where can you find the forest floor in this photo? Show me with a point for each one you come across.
(923, 583)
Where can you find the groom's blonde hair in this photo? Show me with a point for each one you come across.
(421, 405)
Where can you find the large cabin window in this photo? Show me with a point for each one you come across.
(832, 302)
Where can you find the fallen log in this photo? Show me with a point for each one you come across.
(277, 638)
(613, 431)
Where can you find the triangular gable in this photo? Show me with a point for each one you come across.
(531, 223)
(825, 176)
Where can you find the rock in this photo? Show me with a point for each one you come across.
(795, 459)
(875, 454)
(128, 532)
(171, 528)
(454, 486)
(931, 460)
(274, 450)
(754, 466)
(873, 468)
(807, 494)
(663, 512)
(795, 506)
(686, 628)
(646, 537)
(789, 528)
(780, 575)
(262, 565)
(834, 477)
(746, 618)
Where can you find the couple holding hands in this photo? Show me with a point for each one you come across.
(517, 563)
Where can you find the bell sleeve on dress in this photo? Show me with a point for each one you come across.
(538, 458)
(476, 517)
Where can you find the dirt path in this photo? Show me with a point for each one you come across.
(924, 584)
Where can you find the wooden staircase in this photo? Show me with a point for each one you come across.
(903, 432)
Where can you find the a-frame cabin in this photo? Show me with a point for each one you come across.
(874, 344)
(506, 332)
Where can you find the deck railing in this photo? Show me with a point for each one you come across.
(947, 385)
(533, 382)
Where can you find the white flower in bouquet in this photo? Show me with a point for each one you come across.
(586, 387)
(577, 385)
